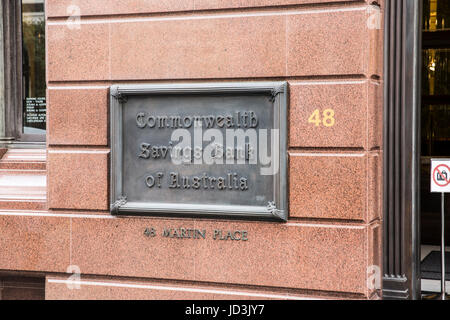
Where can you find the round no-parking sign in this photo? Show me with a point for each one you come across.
(440, 175)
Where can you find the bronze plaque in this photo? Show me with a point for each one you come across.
(212, 149)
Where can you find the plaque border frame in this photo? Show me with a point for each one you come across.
(276, 209)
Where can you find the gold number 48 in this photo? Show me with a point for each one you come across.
(327, 118)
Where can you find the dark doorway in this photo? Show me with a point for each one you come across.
(435, 134)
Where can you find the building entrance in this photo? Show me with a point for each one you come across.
(435, 138)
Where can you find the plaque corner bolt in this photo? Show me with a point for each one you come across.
(272, 208)
(121, 201)
(119, 96)
(276, 91)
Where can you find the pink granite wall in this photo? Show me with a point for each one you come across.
(330, 53)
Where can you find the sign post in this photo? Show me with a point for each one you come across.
(440, 183)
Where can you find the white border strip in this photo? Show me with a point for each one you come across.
(179, 289)
(77, 151)
(38, 214)
(106, 20)
(292, 83)
(330, 226)
(78, 87)
(325, 82)
(312, 154)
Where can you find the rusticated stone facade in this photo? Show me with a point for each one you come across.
(330, 52)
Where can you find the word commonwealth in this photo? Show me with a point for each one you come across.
(246, 119)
